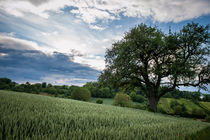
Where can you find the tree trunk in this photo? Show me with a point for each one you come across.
(153, 101)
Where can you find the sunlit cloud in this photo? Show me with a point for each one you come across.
(92, 10)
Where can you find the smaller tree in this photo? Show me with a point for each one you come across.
(81, 94)
(123, 100)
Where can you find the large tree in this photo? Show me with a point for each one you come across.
(158, 62)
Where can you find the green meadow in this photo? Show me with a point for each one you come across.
(29, 116)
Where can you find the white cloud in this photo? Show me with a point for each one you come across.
(90, 15)
(64, 33)
(90, 11)
(96, 27)
(11, 42)
(3, 54)
(85, 53)
(93, 61)
(58, 79)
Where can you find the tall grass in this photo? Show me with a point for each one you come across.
(27, 116)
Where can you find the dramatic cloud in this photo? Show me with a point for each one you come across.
(79, 31)
(10, 42)
(90, 11)
(35, 66)
(21, 61)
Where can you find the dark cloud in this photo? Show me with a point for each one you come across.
(34, 2)
(37, 2)
(33, 65)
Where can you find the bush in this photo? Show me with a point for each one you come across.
(178, 110)
(140, 98)
(207, 118)
(137, 98)
(140, 106)
(161, 110)
(99, 101)
(81, 94)
(173, 104)
(198, 113)
(123, 100)
(133, 96)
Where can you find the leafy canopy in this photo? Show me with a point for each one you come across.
(158, 62)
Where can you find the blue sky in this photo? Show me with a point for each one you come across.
(64, 41)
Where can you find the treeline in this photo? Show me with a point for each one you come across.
(95, 89)
(63, 91)
(192, 95)
(7, 84)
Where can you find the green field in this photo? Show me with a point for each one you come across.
(29, 116)
(190, 105)
(164, 103)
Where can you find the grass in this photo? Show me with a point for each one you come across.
(28, 116)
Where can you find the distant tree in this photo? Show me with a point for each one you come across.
(105, 92)
(44, 85)
(122, 99)
(98, 91)
(50, 90)
(158, 63)
(206, 97)
(81, 94)
(5, 80)
(49, 85)
(5, 83)
(93, 87)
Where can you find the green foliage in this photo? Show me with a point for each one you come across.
(29, 116)
(185, 94)
(137, 97)
(44, 85)
(6, 83)
(122, 100)
(142, 106)
(160, 109)
(81, 94)
(133, 95)
(99, 101)
(97, 91)
(140, 99)
(146, 56)
(199, 113)
(188, 108)
(207, 118)
(178, 109)
(174, 103)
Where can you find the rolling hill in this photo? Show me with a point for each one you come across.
(29, 116)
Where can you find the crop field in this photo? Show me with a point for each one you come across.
(28, 116)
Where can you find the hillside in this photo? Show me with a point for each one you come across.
(29, 116)
(189, 104)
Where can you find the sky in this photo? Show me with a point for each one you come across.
(64, 41)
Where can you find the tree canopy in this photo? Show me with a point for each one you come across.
(158, 62)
